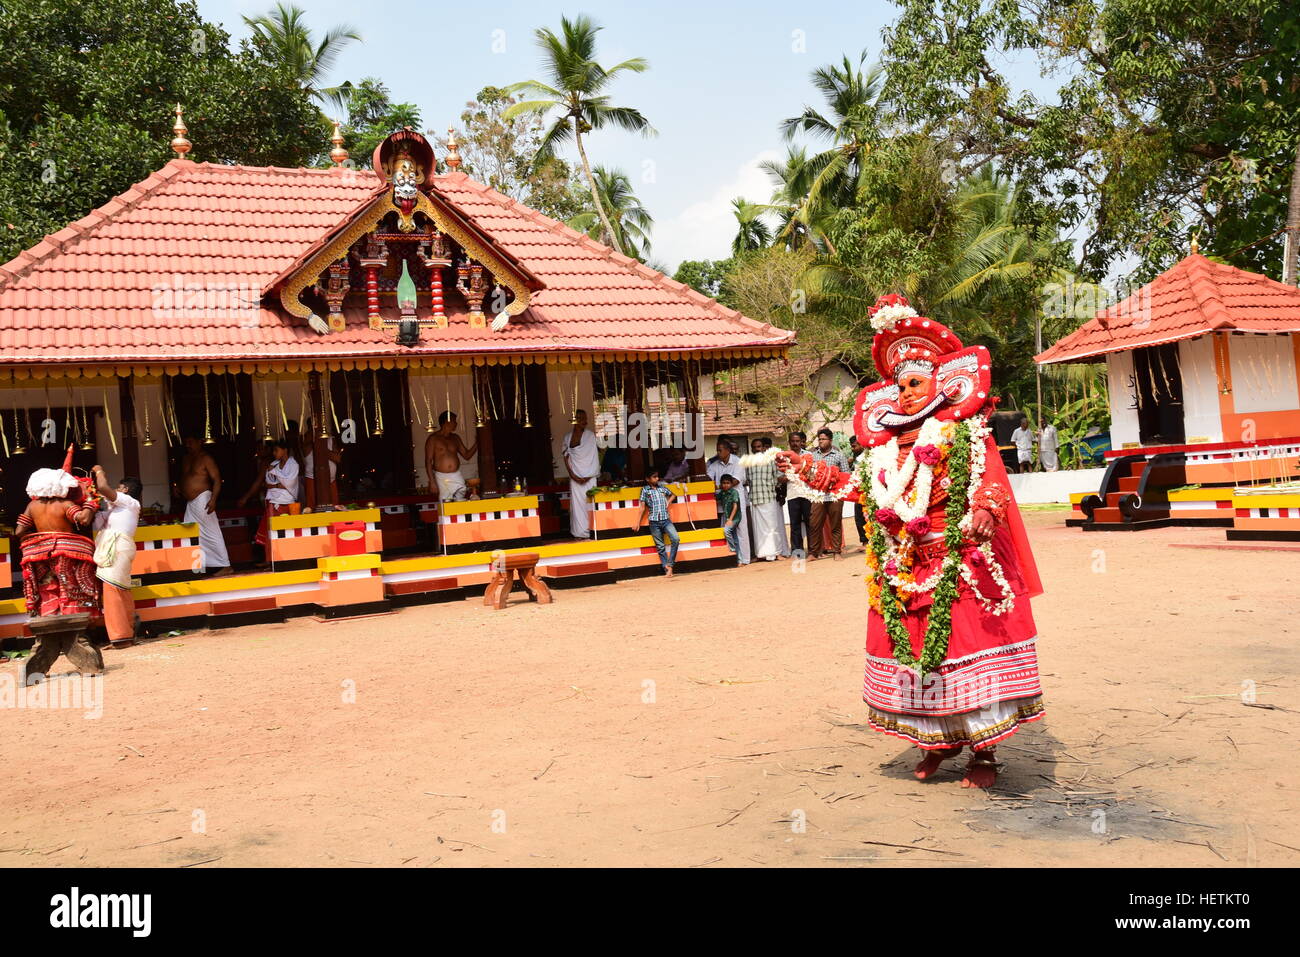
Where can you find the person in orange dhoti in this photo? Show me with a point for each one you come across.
(115, 525)
(58, 566)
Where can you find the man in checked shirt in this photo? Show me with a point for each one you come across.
(765, 510)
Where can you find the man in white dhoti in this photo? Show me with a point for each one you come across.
(726, 463)
(443, 451)
(582, 461)
(200, 485)
(764, 510)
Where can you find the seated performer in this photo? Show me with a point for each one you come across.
(58, 566)
(281, 484)
(950, 638)
(443, 451)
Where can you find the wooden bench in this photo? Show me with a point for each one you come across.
(505, 569)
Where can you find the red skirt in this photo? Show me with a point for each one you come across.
(59, 574)
(987, 685)
(264, 527)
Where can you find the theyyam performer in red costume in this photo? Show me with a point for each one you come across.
(951, 662)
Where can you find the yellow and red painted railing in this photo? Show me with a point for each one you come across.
(1266, 513)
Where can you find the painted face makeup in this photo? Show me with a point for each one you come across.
(915, 392)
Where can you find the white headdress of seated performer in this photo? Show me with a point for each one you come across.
(50, 483)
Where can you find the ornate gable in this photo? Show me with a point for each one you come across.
(406, 254)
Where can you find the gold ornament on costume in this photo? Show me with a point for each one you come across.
(180, 145)
(338, 155)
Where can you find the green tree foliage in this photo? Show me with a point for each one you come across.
(627, 217)
(705, 276)
(574, 90)
(371, 117)
(500, 152)
(285, 33)
(1173, 116)
(87, 98)
(751, 231)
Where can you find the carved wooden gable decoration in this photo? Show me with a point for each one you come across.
(406, 254)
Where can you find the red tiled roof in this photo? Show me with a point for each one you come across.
(89, 293)
(1194, 297)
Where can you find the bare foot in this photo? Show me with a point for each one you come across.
(982, 770)
(930, 763)
(668, 572)
(223, 572)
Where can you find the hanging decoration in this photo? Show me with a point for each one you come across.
(108, 421)
(378, 404)
(207, 414)
(148, 439)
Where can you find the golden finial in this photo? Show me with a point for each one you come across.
(338, 155)
(453, 155)
(1196, 247)
(180, 145)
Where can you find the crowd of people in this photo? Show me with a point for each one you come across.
(756, 502)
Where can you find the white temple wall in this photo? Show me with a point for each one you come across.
(1201, 419)
(1123, 399)
(1263, 373)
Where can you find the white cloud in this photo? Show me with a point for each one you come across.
(704, 230)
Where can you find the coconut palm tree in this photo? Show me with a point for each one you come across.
(791, 180)
(628, 219)
(290, 39)
(574, 86)
(753, 232)
(854, 106)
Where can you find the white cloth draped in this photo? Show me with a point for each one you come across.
(211, 543)
(769, 530)
(584, 460)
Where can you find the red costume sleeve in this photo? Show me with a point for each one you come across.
(994, 489)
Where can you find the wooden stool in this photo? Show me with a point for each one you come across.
(505, 569)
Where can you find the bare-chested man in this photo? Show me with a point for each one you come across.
(200, 485)
(58, 568)
(443, 451)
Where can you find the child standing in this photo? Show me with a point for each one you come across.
(729, 512)
(655, 499)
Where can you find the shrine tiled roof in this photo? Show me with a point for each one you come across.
(175, 270)
(1194, 297)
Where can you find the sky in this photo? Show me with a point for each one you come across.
(722, 76)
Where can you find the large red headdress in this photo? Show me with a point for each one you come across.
(907, 342)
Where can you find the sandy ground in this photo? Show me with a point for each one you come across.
(687, 723)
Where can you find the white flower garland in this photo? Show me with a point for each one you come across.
(893, 492)
(887, 317)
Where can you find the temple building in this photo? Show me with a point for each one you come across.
(348, 309)
(1203, 369)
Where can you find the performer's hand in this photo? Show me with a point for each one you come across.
(212, 505)
(982, 524)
